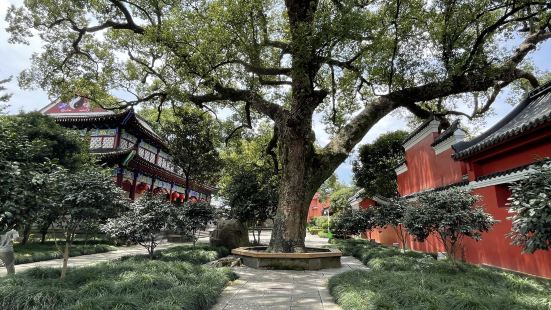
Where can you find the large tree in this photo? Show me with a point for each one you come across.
(356, 60)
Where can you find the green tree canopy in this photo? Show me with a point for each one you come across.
(142, 223)
(250, 180)
(353, 62)
(31, 147)
(192, 137)
(451, 215)
(374, 168)
(531, 209)
(87, 195)
(4, 96)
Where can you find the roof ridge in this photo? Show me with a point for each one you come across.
(419, 128)
(540, 90)
(447, 133)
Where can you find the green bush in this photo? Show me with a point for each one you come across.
(325, 234)
(321, 222)
(174, 281)
(314, 230)
(414, 280)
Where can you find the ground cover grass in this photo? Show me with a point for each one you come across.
(417, 281)
(176, 279)
(35, 252)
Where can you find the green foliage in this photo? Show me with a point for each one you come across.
(53, 142)
(413, 280)
(451, 215)
(320, 222)
(192, 139)
(249, 184)
(252, 197)
(191, 217)
(340, 198)
(329, 186)
(374, 168)
(350, 222)
(324, 234)
(82, 197)
(391, 215)
(174, 281)
(146, 217)
(4, 97)
(31, 147)
(531, 209)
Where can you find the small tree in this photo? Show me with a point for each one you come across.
(351, 222)
(392, 215)
(450, 215)
(192, 217)
(531, 210)
(142, 222)
(252, 196)
(84, 196)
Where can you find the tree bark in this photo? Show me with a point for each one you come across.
(294, 193)
(26, 233)
(66, 255)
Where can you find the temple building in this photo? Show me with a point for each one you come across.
(127, 142)
(437, 160)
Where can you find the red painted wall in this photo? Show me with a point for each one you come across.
(427, 170)
(317, 206)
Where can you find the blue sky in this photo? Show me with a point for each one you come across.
(14, 58)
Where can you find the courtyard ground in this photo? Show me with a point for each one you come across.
(283, 289)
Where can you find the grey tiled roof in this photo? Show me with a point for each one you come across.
(533, 112)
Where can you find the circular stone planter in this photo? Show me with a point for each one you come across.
(312, 259)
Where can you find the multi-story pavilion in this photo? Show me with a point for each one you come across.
(127, 142)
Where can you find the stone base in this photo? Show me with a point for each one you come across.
(313, 259)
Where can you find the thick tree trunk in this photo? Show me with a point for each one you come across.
(294, 195)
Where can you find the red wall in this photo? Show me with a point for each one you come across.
(427, 170)
(385, 236)
(316, 207)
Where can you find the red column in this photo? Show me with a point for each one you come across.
(119, 176)
(133, 188)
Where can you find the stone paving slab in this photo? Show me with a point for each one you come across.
(282, 289)
(260, 289)
(86, 260)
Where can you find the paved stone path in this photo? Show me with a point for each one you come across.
(259, 289)
(85, 260)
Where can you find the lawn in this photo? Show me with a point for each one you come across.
(175, 279)
(417, 281)
(35, 252)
